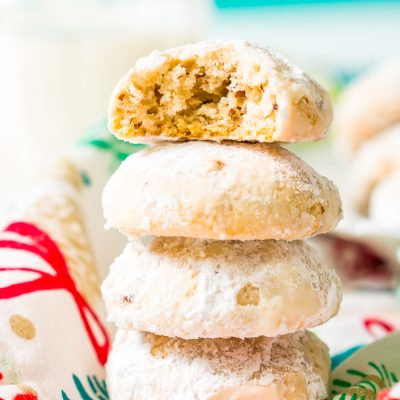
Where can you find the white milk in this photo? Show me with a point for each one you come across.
(58, 65)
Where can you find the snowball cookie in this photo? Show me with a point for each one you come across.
(367, 106)
(194, 288)
(220, 90)
(220, 191)
(377, 158)
(385, 202)
(144, 366)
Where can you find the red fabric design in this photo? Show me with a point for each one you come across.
(26, 396)
(360, 265)
(383, 394)
(369, 323)
(45, 248)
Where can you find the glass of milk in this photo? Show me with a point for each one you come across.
(60, 60)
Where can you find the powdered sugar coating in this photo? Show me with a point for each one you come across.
(194, 288)
(143, 366)
(220, 191)
(218, 90)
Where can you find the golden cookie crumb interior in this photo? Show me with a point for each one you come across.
(199, 97)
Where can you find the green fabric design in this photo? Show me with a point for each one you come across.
(93, 389)
(367, 386)
(99, 137)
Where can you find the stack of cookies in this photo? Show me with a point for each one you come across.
(214, 291)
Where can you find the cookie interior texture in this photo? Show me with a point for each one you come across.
(226, 91)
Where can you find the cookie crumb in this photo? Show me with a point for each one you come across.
(127, 299)
(217, 165)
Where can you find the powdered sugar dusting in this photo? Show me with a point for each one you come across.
(144, 366)
(261, 192)
(287, 288)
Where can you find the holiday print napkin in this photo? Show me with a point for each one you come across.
(53, 339)
(54, 253)
(372, 372)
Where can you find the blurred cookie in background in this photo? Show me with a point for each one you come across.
(367, 138)
(364, 249)
(367, 106)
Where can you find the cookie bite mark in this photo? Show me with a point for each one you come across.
(222, 90)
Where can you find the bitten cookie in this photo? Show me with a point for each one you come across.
(144, 366)
(218, 90)
(220, 191)
(369, 105)
(376, 159)
(193, 288)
